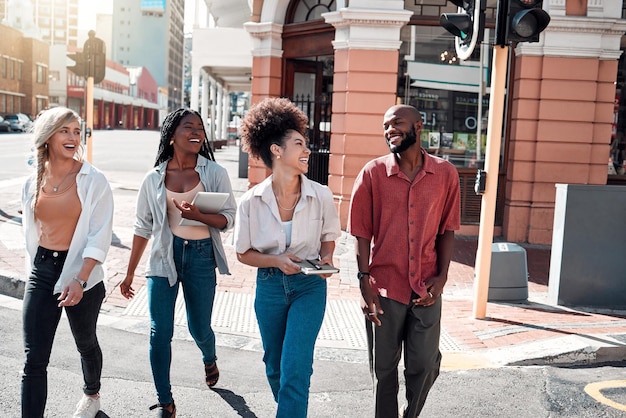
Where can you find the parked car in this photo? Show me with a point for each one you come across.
(19, 121)
(5, 125)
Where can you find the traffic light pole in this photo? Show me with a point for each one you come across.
(89, 117)
(482, 269)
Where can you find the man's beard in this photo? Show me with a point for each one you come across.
(409, 139)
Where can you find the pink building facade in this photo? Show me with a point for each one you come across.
(562, 103)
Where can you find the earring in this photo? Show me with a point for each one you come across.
(172, 142)
(45, 145)
(278, 157)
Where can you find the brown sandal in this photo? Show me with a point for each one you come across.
(212, 374)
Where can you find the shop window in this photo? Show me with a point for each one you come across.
(452, 96)
(447, 92)
(617, 153)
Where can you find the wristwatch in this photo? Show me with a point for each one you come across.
(82, 282)
(362, 274)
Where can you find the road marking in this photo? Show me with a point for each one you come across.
(12, 182)
(594, 390)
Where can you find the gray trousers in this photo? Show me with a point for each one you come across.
(417, 330)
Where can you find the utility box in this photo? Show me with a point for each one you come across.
(508, 280)
(588, 257)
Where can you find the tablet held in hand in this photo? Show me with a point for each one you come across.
(313, 267)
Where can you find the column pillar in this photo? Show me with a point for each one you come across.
(195, 87)
(367, 43)
(212, 93)
(225, 113)
(218, 115)
(560, 121)
(204, 109)
(267, 52)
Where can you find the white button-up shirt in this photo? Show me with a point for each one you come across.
(151, 217)
(92, 236)
(258, 225)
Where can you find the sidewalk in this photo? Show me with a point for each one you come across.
(512, 334)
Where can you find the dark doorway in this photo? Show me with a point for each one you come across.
(307, 87)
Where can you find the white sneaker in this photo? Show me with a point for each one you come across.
(88, 407)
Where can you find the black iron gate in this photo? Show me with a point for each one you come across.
(318, 110)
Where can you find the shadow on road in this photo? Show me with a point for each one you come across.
(237, 402)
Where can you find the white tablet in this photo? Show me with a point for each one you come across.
(207, 202)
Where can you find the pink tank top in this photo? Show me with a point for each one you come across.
(173, 215)
(57, 215)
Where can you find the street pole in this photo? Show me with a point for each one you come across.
(89, 117)
(482, 269)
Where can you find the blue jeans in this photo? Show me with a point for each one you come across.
(40, 318)
(195, 266)
(290, 310)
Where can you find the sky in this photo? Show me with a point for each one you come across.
(88, 9)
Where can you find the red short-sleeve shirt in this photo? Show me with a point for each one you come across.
(403, 219)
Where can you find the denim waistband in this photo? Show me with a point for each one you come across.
(270, 270)
(193, 242)
(46, 253)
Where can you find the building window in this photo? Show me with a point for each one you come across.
(617, 153)
(19, 70)
(446, 92)
(12, 70)
(40, 74)
(41, 104)
(4, 67)
(304, 11)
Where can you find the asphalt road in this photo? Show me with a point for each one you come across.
(338, 389)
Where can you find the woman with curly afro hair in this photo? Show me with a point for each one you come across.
(283, 220)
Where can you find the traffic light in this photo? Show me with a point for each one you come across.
(80, 66)
(95, 52)
(523, 22)
(99, 67)
(467, 25)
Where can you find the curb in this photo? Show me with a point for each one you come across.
(572, 350)
(11, 284)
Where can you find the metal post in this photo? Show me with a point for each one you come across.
(482, 269)
(89, 117)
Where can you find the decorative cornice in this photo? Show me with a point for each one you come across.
(364, 44)
(366, 22)
(578, 37)
(266, 39)
(367, 17)
(360, 28)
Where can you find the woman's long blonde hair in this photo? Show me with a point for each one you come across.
(47, 124)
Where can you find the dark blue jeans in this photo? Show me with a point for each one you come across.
(41, 316)
(195, 266)
(290, 310)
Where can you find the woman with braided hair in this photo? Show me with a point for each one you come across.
(184, 255)
(67, 208)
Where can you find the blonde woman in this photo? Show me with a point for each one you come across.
(67, 218)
